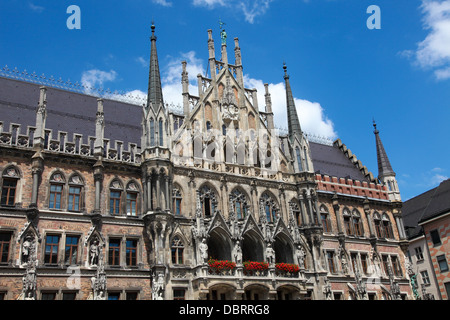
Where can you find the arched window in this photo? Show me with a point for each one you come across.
(305, 154)
(378, 227)
(177, 249)
(347, 222)
(208, 201)
(325, 217)
(387, 227)
(161, 133)
(152, 132)
(224, 129)
(208, 126)
(357, 223)
(75, 193)
(115, 197)
(57, 182)
(177, 200)
(269, 206)
(132, 199)
(295, 208)
(10, 178)
(239, 203)
(299, 159)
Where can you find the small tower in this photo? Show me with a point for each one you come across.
(385, 173)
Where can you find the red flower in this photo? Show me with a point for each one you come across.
(287, 267)
(221, 264)
(255, 266)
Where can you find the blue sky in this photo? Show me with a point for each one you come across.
(342, 73)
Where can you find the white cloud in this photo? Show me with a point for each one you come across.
(311, 114)
(434, 51)
(95, 78)
(250, 8)
(35, 8)
(437, 179)
(142, 61)
(164, 3)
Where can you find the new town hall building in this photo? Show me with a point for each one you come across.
(104, 199)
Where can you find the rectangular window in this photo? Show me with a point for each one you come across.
(131, 203)
(69, 295)
(48, 296)
(71, 250)
(419, 254)
(131, 252)
(348, 228)
(357, 226)
(425, 277)
(114, 252)
(442, 261)
(177, 206)
(396, 266)
(378, 229)
(113, 295)
(51, 249)
(8, 192)
(435, 237)
(114, 202)
(330, 258)
(325, 222)
(385, 259)
(337, 295)
(447, 289)
(55, 196)
(74, 198)
(364, 262)
(179, 294)
(5, 240)
(354, 258)
(131, 295)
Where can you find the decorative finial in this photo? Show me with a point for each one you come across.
(223, 34)
(285, 70)
(375, 127)
(153, 30)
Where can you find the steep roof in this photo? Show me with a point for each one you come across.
(439, 203)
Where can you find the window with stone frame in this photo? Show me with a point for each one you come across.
(57, 182)
(331, 262)
(442, 262)
(131, 252)
(75, 193)
(115, 197)
(299, 159)
(435, 237)
(239, 203)
(269, 206)
(354, 259)
(364, 262)
(10, 179)
(419, 253)
(51, 249)
(208, 201)
(71, 250)
(378, 225)
(347, 221)
(114, 252)
(396, 268)
(132, 199)
(387, 226)
(385, 261)
(161, 132)
(177, 201)
(325, 217)
(425, 277)
(177, 249)
(179, 294)
(152, 132)
(5, 245)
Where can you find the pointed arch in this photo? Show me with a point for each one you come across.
(56, 190)
(208, 199)
(239, 202)
(269, 206)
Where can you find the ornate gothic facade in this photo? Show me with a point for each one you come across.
(103, 199)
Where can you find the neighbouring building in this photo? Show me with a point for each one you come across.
(427, 224)
(106, 199)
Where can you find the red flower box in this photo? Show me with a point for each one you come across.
(255, 266)
(221, 264)
(287, 267)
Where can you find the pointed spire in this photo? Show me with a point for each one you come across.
(384, 166)
(155, 96)
(293, 121)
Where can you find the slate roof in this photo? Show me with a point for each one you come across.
(425, 206)
(73, 112)
(331, 161)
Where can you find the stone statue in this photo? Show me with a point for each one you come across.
(238, 253)
(327, 289)
(28, 248)
(270, 254)
(300, 255)
(203, 247)
(158, 287)
(94, 252)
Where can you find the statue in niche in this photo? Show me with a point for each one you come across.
(238, 253)
(28, 248)
(94, 252)
(270, 254)
(203, 247)
(158, 287)
(300, 256)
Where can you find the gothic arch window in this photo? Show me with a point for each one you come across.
(177, 201)
(357, 223)
(299, 159)
(75, 198)
(386, 226)
(57, 181)
(132, 205)
(152, 132)
(161, 132)
(115, 197)
(347, 221)
(208, 201)
(325, 217)
(295, 209)
(305, 153)
(177, 248)
(239, 203)
(269, 206)
(224, 129)
(378, 225)
(10, 179)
